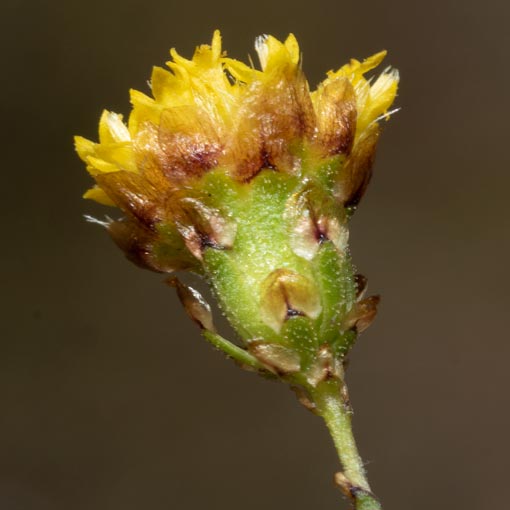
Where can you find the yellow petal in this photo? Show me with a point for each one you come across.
(293, 48)
(372, 101)
(99, 196)
(112, 129)
(84, 147)
(119, 154)
(240, 71)
(145, 109)
(100, 166)
(382, 95)
(355, 69)
(163, 85)
(276, 56)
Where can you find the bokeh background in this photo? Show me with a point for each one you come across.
(110, 399)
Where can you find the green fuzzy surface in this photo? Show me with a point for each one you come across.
(261, 246)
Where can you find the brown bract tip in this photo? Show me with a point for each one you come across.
(335, 106)
(326, 366)
(285, 294)
(354, 178)
(362, 314)
(275, 357)
(194, 304)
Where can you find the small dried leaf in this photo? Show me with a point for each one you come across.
(195, 305)
(133, 240)
(160, 250)
(303, 232)
(244, 154)
(277, 358)
(362, 314)
(361, 283)
(304, 398)
(357, 172)
(329, 227)
(325, 367)
(312, 219)
(351, 490)
(202, 226)
(278, 115)
(134, 195)
(285, 294)
(221, 231)
(335, 106)
(193, 239)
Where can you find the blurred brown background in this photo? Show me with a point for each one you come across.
(109, 397)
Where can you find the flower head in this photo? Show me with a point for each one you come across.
(247, 177)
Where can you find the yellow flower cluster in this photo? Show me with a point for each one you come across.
(213, 111)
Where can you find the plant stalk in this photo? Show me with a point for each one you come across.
(331, 403)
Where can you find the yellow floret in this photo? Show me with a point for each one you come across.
(220, 104)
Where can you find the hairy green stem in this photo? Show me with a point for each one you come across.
(242, 356)
(331, 404)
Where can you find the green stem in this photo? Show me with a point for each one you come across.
(233, 351)
(331, 405)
